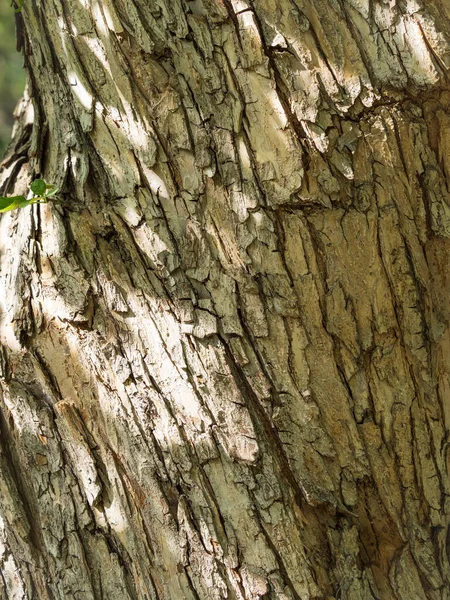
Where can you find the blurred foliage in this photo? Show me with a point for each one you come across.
(12, 75)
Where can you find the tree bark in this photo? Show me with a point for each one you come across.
(225, 354)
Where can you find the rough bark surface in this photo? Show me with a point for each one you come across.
(225, 355)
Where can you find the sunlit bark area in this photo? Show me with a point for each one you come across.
(225, 359)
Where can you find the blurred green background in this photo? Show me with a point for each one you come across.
(12, 75)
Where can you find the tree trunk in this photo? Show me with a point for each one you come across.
(226, 352)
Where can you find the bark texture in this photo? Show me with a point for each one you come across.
(225, 355)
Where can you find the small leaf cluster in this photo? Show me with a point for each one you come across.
(41, 193)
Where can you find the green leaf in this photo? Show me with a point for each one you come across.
(12, 203)
(38, 187)
(51, 192)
